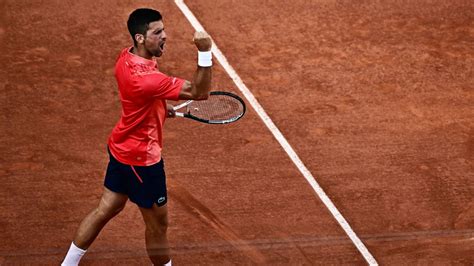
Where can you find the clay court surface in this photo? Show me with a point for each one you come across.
(377, 99)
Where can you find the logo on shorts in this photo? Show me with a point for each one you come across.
(160, 200)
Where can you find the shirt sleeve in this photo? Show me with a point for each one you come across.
(161, 86)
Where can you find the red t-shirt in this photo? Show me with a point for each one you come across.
(137, 137)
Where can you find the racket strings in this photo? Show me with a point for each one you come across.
(216, 107)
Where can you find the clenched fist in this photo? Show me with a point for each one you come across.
(203, 41)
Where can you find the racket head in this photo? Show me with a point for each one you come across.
(221, 107)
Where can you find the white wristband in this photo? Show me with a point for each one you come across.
(205, 59)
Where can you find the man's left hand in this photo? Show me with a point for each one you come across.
(170, 112)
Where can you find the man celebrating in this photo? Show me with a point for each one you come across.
(136, 170)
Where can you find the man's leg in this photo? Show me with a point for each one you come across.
(156, 222)
(109, 206)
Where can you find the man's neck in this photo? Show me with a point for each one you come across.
(141, 52)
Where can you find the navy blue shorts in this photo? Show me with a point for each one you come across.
(144, 185)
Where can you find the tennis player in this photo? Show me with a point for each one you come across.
(135, 170)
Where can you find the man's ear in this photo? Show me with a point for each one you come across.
(140, 38)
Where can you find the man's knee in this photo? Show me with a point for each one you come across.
(108, 211)
(158, 225)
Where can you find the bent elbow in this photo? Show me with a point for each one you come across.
(200, 96)
(203, 97)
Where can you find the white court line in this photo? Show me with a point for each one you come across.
(280, 138)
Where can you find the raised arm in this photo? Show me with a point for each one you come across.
(199, 88)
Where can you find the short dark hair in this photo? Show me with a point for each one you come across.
(139, 20)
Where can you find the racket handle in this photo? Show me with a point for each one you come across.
(179, 114)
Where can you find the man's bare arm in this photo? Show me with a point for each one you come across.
(199, 88)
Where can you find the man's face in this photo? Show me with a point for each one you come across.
(155, 38)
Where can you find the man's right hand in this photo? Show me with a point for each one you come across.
(203, 41)
(199, 88)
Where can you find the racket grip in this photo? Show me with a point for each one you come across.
(179, 114)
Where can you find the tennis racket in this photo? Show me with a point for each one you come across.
(220, 108)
